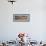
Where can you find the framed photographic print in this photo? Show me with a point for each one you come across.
(21, 17)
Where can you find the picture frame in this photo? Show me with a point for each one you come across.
(21, 17)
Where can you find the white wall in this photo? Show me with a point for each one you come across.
(37, 25)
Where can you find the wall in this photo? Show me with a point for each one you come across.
(37, 25)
